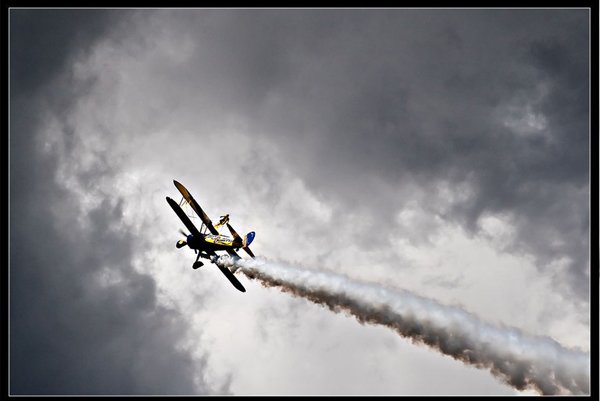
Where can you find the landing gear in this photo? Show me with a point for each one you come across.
(196, 263)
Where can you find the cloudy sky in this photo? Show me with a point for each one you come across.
(444, 152)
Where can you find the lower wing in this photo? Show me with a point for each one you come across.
(236, 283)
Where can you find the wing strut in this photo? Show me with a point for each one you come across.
(190, 199)
(183, 217)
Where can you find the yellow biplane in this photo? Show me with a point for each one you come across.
(207, 241)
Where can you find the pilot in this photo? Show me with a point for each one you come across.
(223, 221)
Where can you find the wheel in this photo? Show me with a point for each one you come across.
(197, 265)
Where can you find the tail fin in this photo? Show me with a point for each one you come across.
(247, 241)
(243, 243)
(249, 238)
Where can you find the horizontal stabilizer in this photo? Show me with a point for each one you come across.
(233, 232)
(248, 251)
(237, 240)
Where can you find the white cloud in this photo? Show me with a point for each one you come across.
(522, 115)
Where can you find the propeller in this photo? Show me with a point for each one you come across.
(181, 243)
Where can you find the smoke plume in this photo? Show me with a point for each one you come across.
(520, 360)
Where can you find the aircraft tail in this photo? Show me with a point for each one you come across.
(249, 238)
(245, 242)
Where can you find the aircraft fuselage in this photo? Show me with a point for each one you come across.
(211, 242)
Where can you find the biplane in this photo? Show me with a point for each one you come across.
(207, 241)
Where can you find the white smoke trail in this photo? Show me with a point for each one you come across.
(518, 359)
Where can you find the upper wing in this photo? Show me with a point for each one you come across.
(186, 220)
(188, 197)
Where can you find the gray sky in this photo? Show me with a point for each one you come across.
(445, 152)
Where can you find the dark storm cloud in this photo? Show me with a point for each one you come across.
(354, 97)
(43, 40)
(82, 320)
